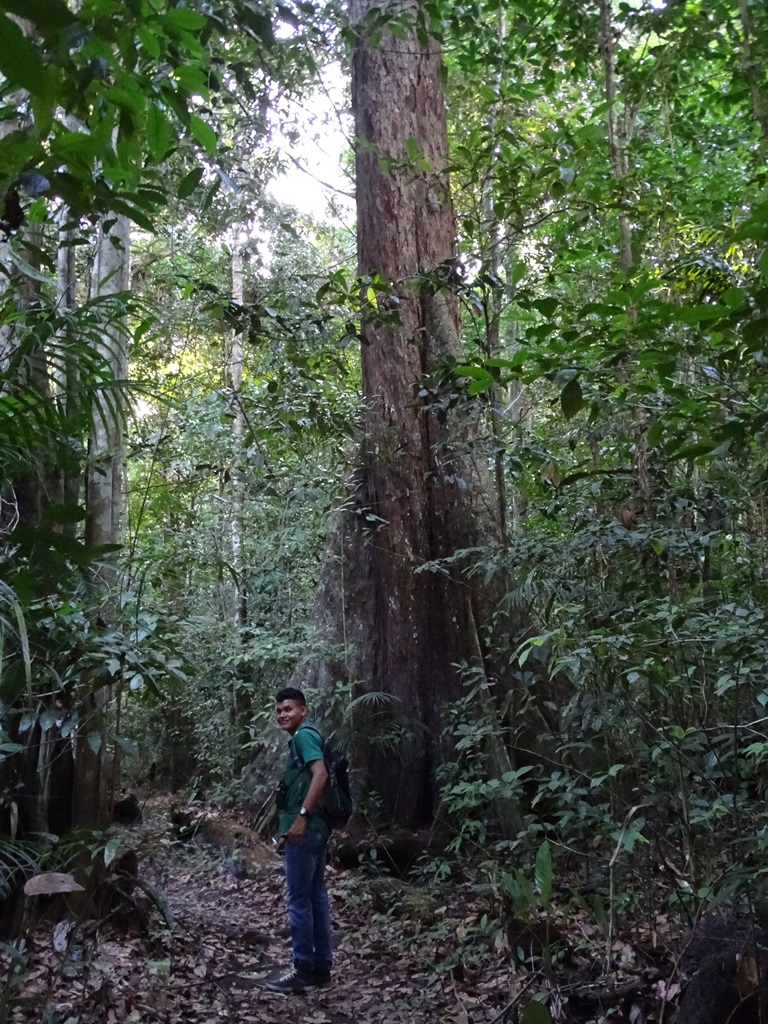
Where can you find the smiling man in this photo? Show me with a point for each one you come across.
(303, 840)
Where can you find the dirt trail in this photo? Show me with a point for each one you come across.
(223, 930)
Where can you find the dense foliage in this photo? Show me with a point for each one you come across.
(609, 174)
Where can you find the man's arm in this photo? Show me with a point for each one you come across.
(312, 798)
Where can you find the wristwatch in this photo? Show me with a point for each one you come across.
(303, 812)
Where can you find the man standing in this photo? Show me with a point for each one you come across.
(303, 839)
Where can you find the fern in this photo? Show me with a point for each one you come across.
(19, 858)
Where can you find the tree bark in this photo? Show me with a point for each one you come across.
(104, 494)
(68, 489)
(110, 275)
(242, 705)
(422, 492)
(752, 71)
(238, 431)
(619, 131)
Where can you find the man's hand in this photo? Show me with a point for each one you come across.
(316, 786)
(297, 829)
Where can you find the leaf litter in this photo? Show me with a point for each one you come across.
(221, 928)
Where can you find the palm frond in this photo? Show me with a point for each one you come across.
(18, 627)
(19, 858)
(376, 699)
(62, 372)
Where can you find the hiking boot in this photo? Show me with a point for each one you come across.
(322, 976)
(292, 980)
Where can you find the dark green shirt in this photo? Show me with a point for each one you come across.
(304, 747)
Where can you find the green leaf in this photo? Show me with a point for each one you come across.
(94, 741)
(521, 892)
(11, 748)
(149, 41)
(704, 311)
(571, 398)
(111, 850)
(184, 18)
(536, 1013)
(192, 79)
(158, 133)
(189, 182)
(655, 433)
(204, 134)
(47, 720)
(518, 272)
(543, 873)
(20, 61)
(131, 747)
(546, 306)
(27, 269)
(694, 451)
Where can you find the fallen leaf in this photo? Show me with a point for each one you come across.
(61, 935)
(51, 882)
(666, 991)
(636, 1014)
(747, 976)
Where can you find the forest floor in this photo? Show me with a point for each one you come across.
(213, 926)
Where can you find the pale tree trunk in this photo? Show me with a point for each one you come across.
(619, 126)
(752, 71)
(241, 703)
(111, 274)
(422, 490)
(493, 329)
(65, 374)
(511, 505)
(238, 432)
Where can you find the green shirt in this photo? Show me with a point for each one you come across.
(304, 747)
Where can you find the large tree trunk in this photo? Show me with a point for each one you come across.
(422, 489)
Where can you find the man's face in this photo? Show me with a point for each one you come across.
(290, 714)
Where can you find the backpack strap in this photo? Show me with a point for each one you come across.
(294, 753)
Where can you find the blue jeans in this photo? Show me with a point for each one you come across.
(308, 911)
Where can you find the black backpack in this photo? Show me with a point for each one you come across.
(336, 802)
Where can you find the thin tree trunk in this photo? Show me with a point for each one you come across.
(66, 299)
(241, 703)
(238, 431)
(751, 70)
(618, 129)
(111, 274)
(493, 327)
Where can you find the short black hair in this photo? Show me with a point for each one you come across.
(290, 693)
